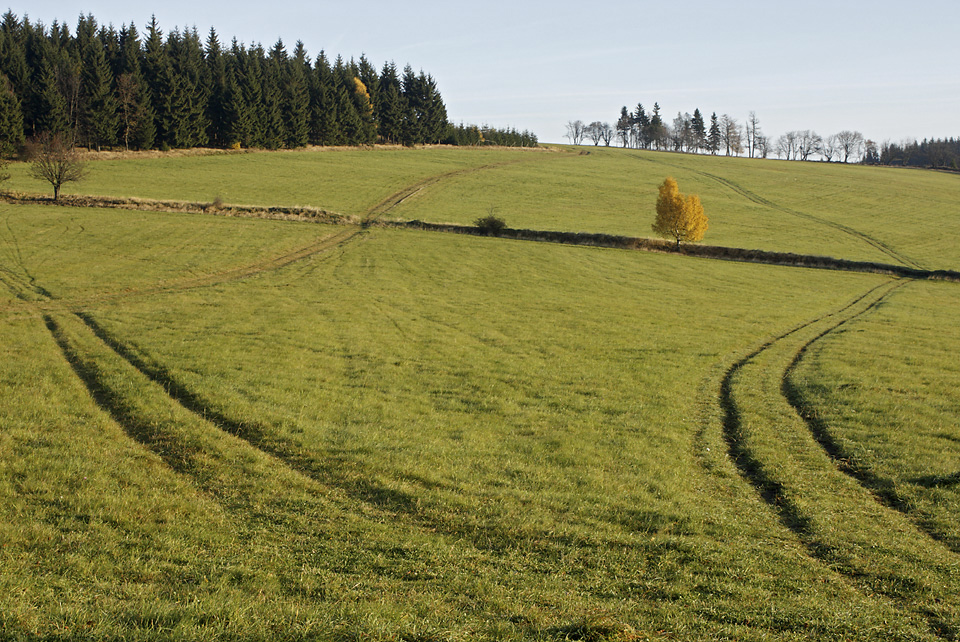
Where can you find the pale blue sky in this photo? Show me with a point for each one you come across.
(886, 68)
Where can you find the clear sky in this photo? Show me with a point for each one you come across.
(887, 68)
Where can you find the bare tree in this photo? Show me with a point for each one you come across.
(762, 145)
(606, 134)
(830, 148)
(54, 159)
(594, 131)
(752, 133)
(808, 143)
(682, 133)
(731, 133)
(787, 145)
(850, 145)
(575, 131)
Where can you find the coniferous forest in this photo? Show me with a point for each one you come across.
(119, 88)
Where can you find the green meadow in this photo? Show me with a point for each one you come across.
(232, 428)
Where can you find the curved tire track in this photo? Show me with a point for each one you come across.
(793, 488)
(884, 489)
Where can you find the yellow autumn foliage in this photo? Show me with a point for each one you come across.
(363, 95)
(678, 217)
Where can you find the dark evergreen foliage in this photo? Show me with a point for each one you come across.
(466, 135)
(938, 154)
(109, 87)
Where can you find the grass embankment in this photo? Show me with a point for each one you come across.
(418, 436)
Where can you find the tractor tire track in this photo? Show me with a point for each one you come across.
(750, 467)
(791, 501)
(45, 302)
(759, 200)
(883, 489)
(391, 202)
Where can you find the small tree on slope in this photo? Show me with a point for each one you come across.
(55, 160)
(678, 217)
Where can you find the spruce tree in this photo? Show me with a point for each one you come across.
(296, 99)
(392, 107)
(642, 123)
(272, 113)
(323, 116)
(137, 127)
(413, 100)
(699, 130)
(99, 121)
(11, 120)
(218, 123)
(435, 111)
(51, 112)
(156, 77)
(714, 138)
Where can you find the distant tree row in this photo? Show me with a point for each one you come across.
(112, 88)
(486, 135)
(939, 154)
(685, 133)
(692, 133)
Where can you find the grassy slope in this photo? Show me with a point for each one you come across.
(346, 181)
(893, 412)
(811, 208)
(426, 423)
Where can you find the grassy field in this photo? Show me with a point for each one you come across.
(219, 428)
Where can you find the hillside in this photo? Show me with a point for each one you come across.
(219, 427)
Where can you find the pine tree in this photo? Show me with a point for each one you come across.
(296, 99)
(392, 108)
(13, 55)
(624, 125)
(272, 112)
(188, 68)
(99, 122)
(51, 113)
(368, 75)
(657, 130)
(137, 126)
(154, 66)
(413, 129)
(436, 120)
(714, 138)
(699, 130)
(218, 132)
(11, 120)
(323, 114)
(249, 73)
(642, 123)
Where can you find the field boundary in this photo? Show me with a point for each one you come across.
(700, 251)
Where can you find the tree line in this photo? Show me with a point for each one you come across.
(724, 134)
(110, 87)
(939, 154)
(685, 133)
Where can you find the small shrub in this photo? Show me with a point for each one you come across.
(490, 224)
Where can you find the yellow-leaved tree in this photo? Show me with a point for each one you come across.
(678, 217)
